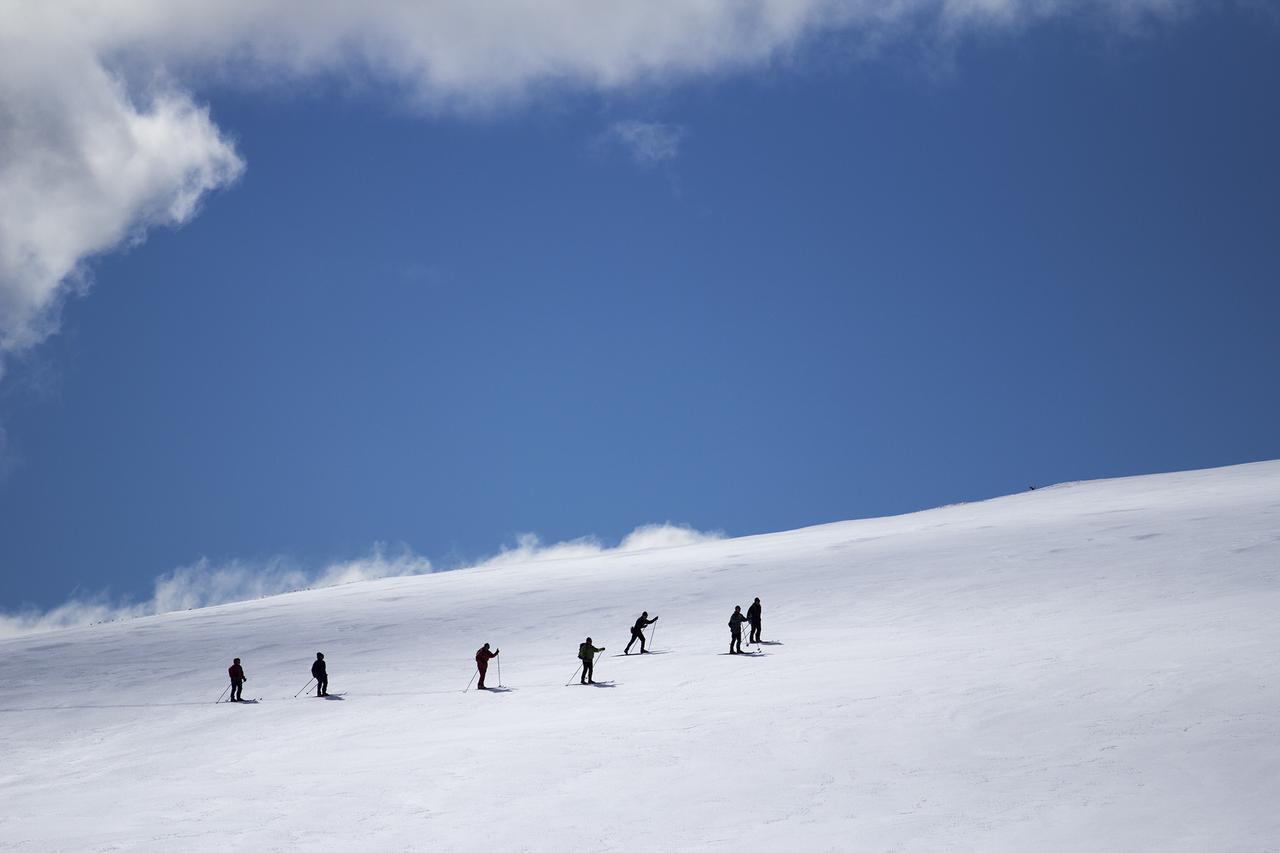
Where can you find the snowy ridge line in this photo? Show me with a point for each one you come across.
(205, 584)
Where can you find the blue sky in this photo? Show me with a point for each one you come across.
(776, 294)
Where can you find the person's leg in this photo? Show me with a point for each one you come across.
(641, 638)
(483, 670)
(589, 670)
(238, 690)
(584, 673)
(627, 650)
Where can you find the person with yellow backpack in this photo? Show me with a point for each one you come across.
(587, 654)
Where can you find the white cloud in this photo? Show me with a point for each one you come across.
(646, 141)
(205, 584)
(101, 138)
(529, 548)
(84, 168)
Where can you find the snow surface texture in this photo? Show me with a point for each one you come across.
(1087, 667)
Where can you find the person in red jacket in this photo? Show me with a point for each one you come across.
(482, 662)
(236, 671)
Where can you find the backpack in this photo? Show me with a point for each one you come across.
(584, 651)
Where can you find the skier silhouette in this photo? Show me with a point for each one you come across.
(753, 616)
(236, 671)
(321, 675)
(735, 630)
(587, 654)
(482, 662)
(637, 631)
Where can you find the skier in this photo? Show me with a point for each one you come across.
(321, 675)
(587, 654)
(482, 662)
(735, 630)
(236, 671)
(637, 631)
(753, 616)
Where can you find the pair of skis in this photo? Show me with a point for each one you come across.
(257, 699)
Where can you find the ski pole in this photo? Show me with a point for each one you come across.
(304, 687)
(575, 672)
(473, 678)
(499, 660)
(653, 632)
(224, 693)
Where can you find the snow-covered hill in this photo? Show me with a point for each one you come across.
(1087, 667)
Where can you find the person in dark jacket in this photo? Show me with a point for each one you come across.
(321, 675)
(587, 654)
(637, 631)
(236, 671)
(735, 630)
(753, 616)
(483, 656)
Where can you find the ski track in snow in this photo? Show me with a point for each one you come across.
(1089, 667)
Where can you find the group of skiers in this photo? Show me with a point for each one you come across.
(319, 674)
(586, 652)
(735, 626)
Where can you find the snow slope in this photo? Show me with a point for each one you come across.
(1093, 666)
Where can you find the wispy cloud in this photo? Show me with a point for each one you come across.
(102, 137)
(205, 584)
(529, 548)
(646, 142)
